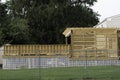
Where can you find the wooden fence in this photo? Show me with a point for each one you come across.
(35, 50)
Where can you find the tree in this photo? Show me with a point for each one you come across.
(3, 21)
(19, 31)
(47, 19)
(14, 30)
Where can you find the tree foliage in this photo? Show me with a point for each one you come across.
(3, 21)
(43, 21)
(12, 29)
(19, 31)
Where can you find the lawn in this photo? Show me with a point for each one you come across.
(72, 73)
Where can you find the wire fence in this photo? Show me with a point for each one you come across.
(59, 67)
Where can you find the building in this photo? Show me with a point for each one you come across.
(93, 43)
(110, 22)
(1, 54)
(87, 44)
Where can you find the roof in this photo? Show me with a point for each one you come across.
(67, 31)
(107, 19)
(114, 16)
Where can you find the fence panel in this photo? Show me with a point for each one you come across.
(57, 67)
(30, 50)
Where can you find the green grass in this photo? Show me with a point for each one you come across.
(72, 73)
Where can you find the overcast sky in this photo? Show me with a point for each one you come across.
(107, 8)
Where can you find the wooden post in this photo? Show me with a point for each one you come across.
(66, 40)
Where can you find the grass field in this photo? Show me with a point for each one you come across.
(72, 73)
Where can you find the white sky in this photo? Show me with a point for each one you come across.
(3, 0)
(107, 8)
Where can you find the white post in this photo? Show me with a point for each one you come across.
(29, 63)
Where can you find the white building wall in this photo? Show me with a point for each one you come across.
(1, 53)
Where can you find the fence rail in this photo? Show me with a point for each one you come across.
(32, 50)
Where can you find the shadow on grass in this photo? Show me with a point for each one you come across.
(89, 78)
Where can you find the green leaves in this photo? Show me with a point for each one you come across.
(43, 21)
(3, 21)
(19, 31)
(84, 2)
